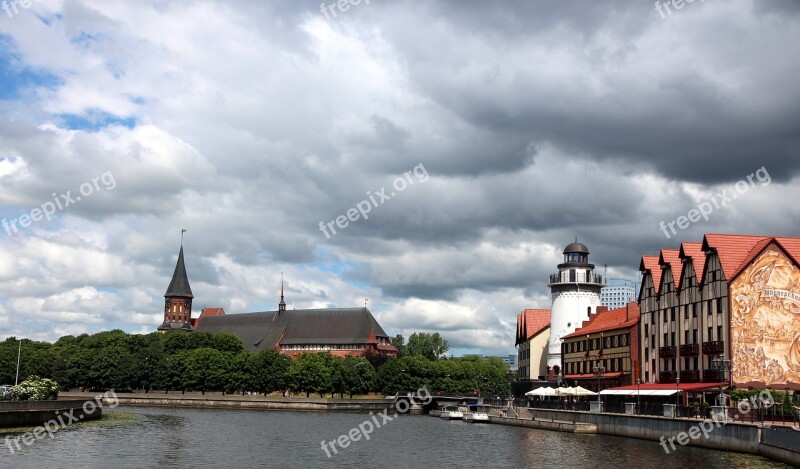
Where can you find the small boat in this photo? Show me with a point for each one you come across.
(476, 417)
(451, 413)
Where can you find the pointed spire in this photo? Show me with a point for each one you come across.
(282, 304)
(179, 286)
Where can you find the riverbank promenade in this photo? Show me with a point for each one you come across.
(247, 401)
(780, 442)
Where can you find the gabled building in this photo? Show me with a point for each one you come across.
(604, 349)
(732, 296)
(340, 331)
(533, 333)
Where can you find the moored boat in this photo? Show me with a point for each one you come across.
(451, 413)
(476, 417)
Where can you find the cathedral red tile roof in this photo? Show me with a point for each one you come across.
(619, 318)
(212, 312)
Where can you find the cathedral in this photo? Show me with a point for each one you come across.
(339, 331)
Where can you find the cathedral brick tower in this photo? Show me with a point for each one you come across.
(178, 300)
(575, 291)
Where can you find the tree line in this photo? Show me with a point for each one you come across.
(204, 362)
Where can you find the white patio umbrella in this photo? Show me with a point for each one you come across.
(581, 391)
(545, 391)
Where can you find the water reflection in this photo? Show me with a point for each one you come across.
(163, 437)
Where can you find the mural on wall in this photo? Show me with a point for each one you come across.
(765, 321)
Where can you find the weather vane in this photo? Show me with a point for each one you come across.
(183, 230)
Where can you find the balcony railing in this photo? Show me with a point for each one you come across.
(717, 346)
(666, 377)
(575, 277)
(689, 349)
(690, 376)
(664, 352)
(711, 376)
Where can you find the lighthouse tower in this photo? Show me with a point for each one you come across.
(575, 290)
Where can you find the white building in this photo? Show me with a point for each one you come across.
(575, 290)
(618, 293)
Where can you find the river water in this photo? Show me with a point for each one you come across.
(191, 438)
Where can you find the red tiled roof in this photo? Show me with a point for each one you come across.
(651, 263)
(672, 258)
(618, 318)
(791, 246)
(695, 252)
(212, 312)
(731, 249)
(530, 323)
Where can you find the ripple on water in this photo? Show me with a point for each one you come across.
(163, 437)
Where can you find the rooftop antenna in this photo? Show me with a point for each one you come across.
(365, 302)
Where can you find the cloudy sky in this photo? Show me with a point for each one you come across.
(522, 124)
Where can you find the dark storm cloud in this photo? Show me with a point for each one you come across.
(536, 121)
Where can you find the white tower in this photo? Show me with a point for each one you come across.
(576, 294)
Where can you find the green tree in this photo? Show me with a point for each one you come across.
(358, 376)
(310, 372)
(206, 370)
(226, 342)
(270, 370)
(430, 346)
(399, 343)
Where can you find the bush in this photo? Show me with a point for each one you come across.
(35, 389)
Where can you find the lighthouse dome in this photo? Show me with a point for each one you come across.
(576, 247)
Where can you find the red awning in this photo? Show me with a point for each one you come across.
(615, 374)
(684, 387)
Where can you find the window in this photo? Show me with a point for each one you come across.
(710, 333)
(672, 314)
(719, 332)
(624, 340)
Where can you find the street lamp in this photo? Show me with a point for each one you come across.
(19, 353)
(722, 365)
(598, 371)
(638, 383)
(677, 395)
